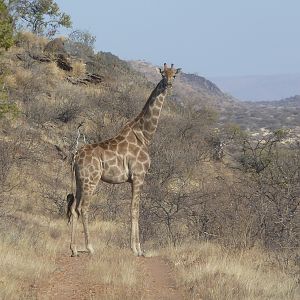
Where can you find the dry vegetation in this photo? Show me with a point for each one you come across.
(231, 226)
(114, 265)
(28, 249)
(269, 114)
(211, 271)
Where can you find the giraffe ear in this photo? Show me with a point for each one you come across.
(159, 71)
(178, 71)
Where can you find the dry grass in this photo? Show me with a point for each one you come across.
(31, 243)
(27, 250)
(10, 81)
(30, 40)
(79, 68)
(208, 271)
(52, 71)
(113, 264)
(22, 77)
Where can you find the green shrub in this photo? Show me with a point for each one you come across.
(9, 108)
(6, 27)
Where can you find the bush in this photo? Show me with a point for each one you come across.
(80, 43)
(42, 17)
(6, 27)
(9, 109)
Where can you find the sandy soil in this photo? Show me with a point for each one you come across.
(70, 280)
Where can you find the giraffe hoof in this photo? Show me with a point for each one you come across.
(138, 253)
(90, 249)
(74, 255)
(135, 253)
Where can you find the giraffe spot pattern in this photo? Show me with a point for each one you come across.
(131, 138)
(88, 159)
(143, 156)
(123, 146)
(156, 112)
(104, 146)
(113, 147)
(133, 150)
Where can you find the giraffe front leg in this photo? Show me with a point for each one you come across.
(138, 244)
(135, 236)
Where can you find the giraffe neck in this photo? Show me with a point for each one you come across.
(147, 120)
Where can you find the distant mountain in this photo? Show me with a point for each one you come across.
(267, 114)
(260, 88)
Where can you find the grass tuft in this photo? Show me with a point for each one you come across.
(209, 271)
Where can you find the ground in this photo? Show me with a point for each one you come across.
(70, 280)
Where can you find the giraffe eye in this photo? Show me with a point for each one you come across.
(174, 76)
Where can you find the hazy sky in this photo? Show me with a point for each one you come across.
(208, 37)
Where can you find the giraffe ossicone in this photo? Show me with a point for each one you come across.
(124, 158)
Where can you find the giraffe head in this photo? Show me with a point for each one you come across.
(168, 74)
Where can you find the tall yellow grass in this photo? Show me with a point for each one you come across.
(28, 249)
(208, 271)
(113, 262)
(30, 40)
(203, 270)
(113, 266)
(52, 71)
(79, 68)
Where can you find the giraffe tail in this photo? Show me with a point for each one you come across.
(70, 201)
(71, 197)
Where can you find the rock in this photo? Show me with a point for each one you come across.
(56, 46)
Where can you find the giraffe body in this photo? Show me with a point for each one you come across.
(124, 158)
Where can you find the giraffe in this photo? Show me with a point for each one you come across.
(124, 158)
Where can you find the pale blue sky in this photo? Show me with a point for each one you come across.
(208, 37)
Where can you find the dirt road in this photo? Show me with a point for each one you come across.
(70, 280)
(158, 278)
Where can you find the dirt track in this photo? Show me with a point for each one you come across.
(70, 280)
(159, 279)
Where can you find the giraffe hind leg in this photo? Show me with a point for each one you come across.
(87, 190)
(85, 203)
(73, 219)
